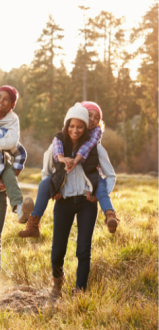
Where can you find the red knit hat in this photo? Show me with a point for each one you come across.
(92, 106)
(13, 93)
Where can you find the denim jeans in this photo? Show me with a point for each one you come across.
(3, 212)
(64, 213)
(42, 199)
(102, 195)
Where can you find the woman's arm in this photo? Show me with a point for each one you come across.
(47, 163)
(106, 168)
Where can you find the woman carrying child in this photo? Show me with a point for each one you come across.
(104, 187)
(70, 192)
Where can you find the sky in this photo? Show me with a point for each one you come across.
(22, 22)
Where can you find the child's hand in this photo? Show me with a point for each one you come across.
(71, 166)
(2, 186)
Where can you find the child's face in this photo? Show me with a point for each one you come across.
(5, 104)
(94, 119)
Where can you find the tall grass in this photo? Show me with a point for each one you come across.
(122, 286)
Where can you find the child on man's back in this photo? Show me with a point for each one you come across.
(9, 145)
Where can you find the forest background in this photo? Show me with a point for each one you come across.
(129, 106)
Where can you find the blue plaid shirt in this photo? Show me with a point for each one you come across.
(18, 153)
(84, 150)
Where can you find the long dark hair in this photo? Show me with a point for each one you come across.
(67, 142)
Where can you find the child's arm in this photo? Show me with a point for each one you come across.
(57, 149)
(85, 149)
(58, 154)
(11, 138)
(19, 153)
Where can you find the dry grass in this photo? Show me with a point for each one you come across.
(122, 286)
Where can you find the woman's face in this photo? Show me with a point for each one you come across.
(94, 119)
(76, 129)
(5, 103)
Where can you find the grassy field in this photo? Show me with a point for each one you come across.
(122, 286)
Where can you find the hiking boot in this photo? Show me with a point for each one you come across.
(111, 221)
(24, 210)
(56, 290)
(32, 228)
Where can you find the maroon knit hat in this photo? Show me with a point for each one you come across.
(92, 106)
(13, 93)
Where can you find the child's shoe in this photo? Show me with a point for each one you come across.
(111, 221)
(25, 209)
(32, 228)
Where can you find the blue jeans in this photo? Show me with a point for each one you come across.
(64, 213)
(102, 195)
(43, 197)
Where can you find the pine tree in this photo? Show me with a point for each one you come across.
(42, 85)
(88, 55)
(148, 72)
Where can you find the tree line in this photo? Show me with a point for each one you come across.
(47, 92)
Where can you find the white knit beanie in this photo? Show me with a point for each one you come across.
(78, 112)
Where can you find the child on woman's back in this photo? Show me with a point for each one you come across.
(105, 186)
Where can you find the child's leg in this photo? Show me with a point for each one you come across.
(102, 196)
(43, 196)
(106, 205)
(23, 209)
(11, 183)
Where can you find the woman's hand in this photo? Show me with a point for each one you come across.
(58, 196)
(2, 186)
(91, 198)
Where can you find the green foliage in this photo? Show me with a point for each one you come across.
(47, 92)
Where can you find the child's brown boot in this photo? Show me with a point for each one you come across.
(24, 209)
(32, 227)
(111, 221)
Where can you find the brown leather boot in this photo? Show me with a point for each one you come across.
(111, 221)
(56, 290)
(32, 227)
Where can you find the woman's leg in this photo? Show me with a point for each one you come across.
(3, 212)
(64, 212)
(86, 218)
(102, 196)
(42, 198)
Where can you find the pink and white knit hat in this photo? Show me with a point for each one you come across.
(92, 106)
